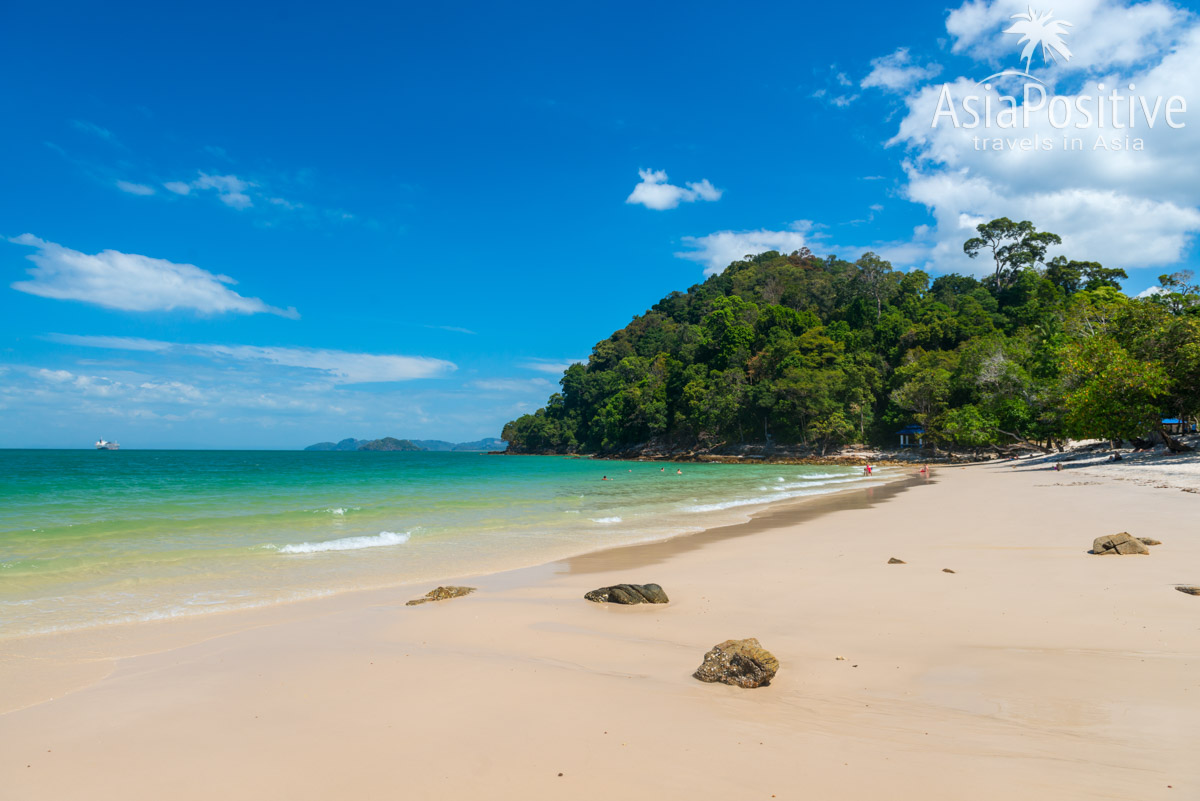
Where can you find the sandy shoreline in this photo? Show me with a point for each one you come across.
(1035, 669)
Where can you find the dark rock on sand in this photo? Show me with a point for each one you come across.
(895, 561)
(742, 663)
(629, 594)
(441, 594)
(1189, 590)
(947, 570)
(1122, 543)
(1149, 541)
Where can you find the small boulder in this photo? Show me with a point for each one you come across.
(947, 570)
(895, 561)
(441, 594)
(1149, 541)
(1188, 590)
(629, 594)
(1122, 543)
(742, 663)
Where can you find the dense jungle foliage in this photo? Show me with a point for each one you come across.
(796, 349)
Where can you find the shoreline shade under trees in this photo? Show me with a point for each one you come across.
(800, 350)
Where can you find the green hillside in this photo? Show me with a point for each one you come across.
(796, 349)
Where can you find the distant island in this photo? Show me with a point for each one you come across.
(393, 444)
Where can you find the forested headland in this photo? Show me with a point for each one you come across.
(822, 352)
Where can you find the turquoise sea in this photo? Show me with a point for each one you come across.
(93, 538)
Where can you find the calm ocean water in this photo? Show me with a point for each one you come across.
(98, 537)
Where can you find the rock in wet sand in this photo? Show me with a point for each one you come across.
(742, 663)
(1122, 543)
(629, 594)
(441, 594)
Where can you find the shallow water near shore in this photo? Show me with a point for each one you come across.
(94, 538)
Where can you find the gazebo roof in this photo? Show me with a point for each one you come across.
(912, 428)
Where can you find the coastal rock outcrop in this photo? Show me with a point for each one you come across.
(441, 594)
(1188, 589)
(742, 663)
(895, 561)
(629, 594)
(1122, 543)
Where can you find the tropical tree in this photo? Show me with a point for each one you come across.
(874, 276)
(1108, 393)
(1014, 246)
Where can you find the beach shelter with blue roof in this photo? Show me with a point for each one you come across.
(912, 434)
(1174, 425)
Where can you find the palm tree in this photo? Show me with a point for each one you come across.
(1041, 31)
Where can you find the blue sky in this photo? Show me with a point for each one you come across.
(429, 211)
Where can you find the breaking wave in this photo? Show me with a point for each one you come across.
(379, 540)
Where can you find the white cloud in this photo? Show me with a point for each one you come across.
(550, 366)
(512, 384)
(230, 189)
(834, 93)
(135, 189)
(93, 129)
(131, 282)
(719, 249)
(897, 72)
(1102, 32)
(241, 194)
(111, 343)
(454, 328)
(342, 367)
(55, 376)
(1124, 208)
(655, 193)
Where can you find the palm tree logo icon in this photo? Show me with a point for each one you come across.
(1037, 31)
(1040, 30)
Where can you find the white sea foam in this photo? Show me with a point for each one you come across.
(349, 543)
(798, 490)
(336, 511)
(606, 519)
(811, 484)
(716, 507)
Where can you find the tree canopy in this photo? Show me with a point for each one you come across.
(797, 349)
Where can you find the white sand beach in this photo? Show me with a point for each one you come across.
(1035, 670)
